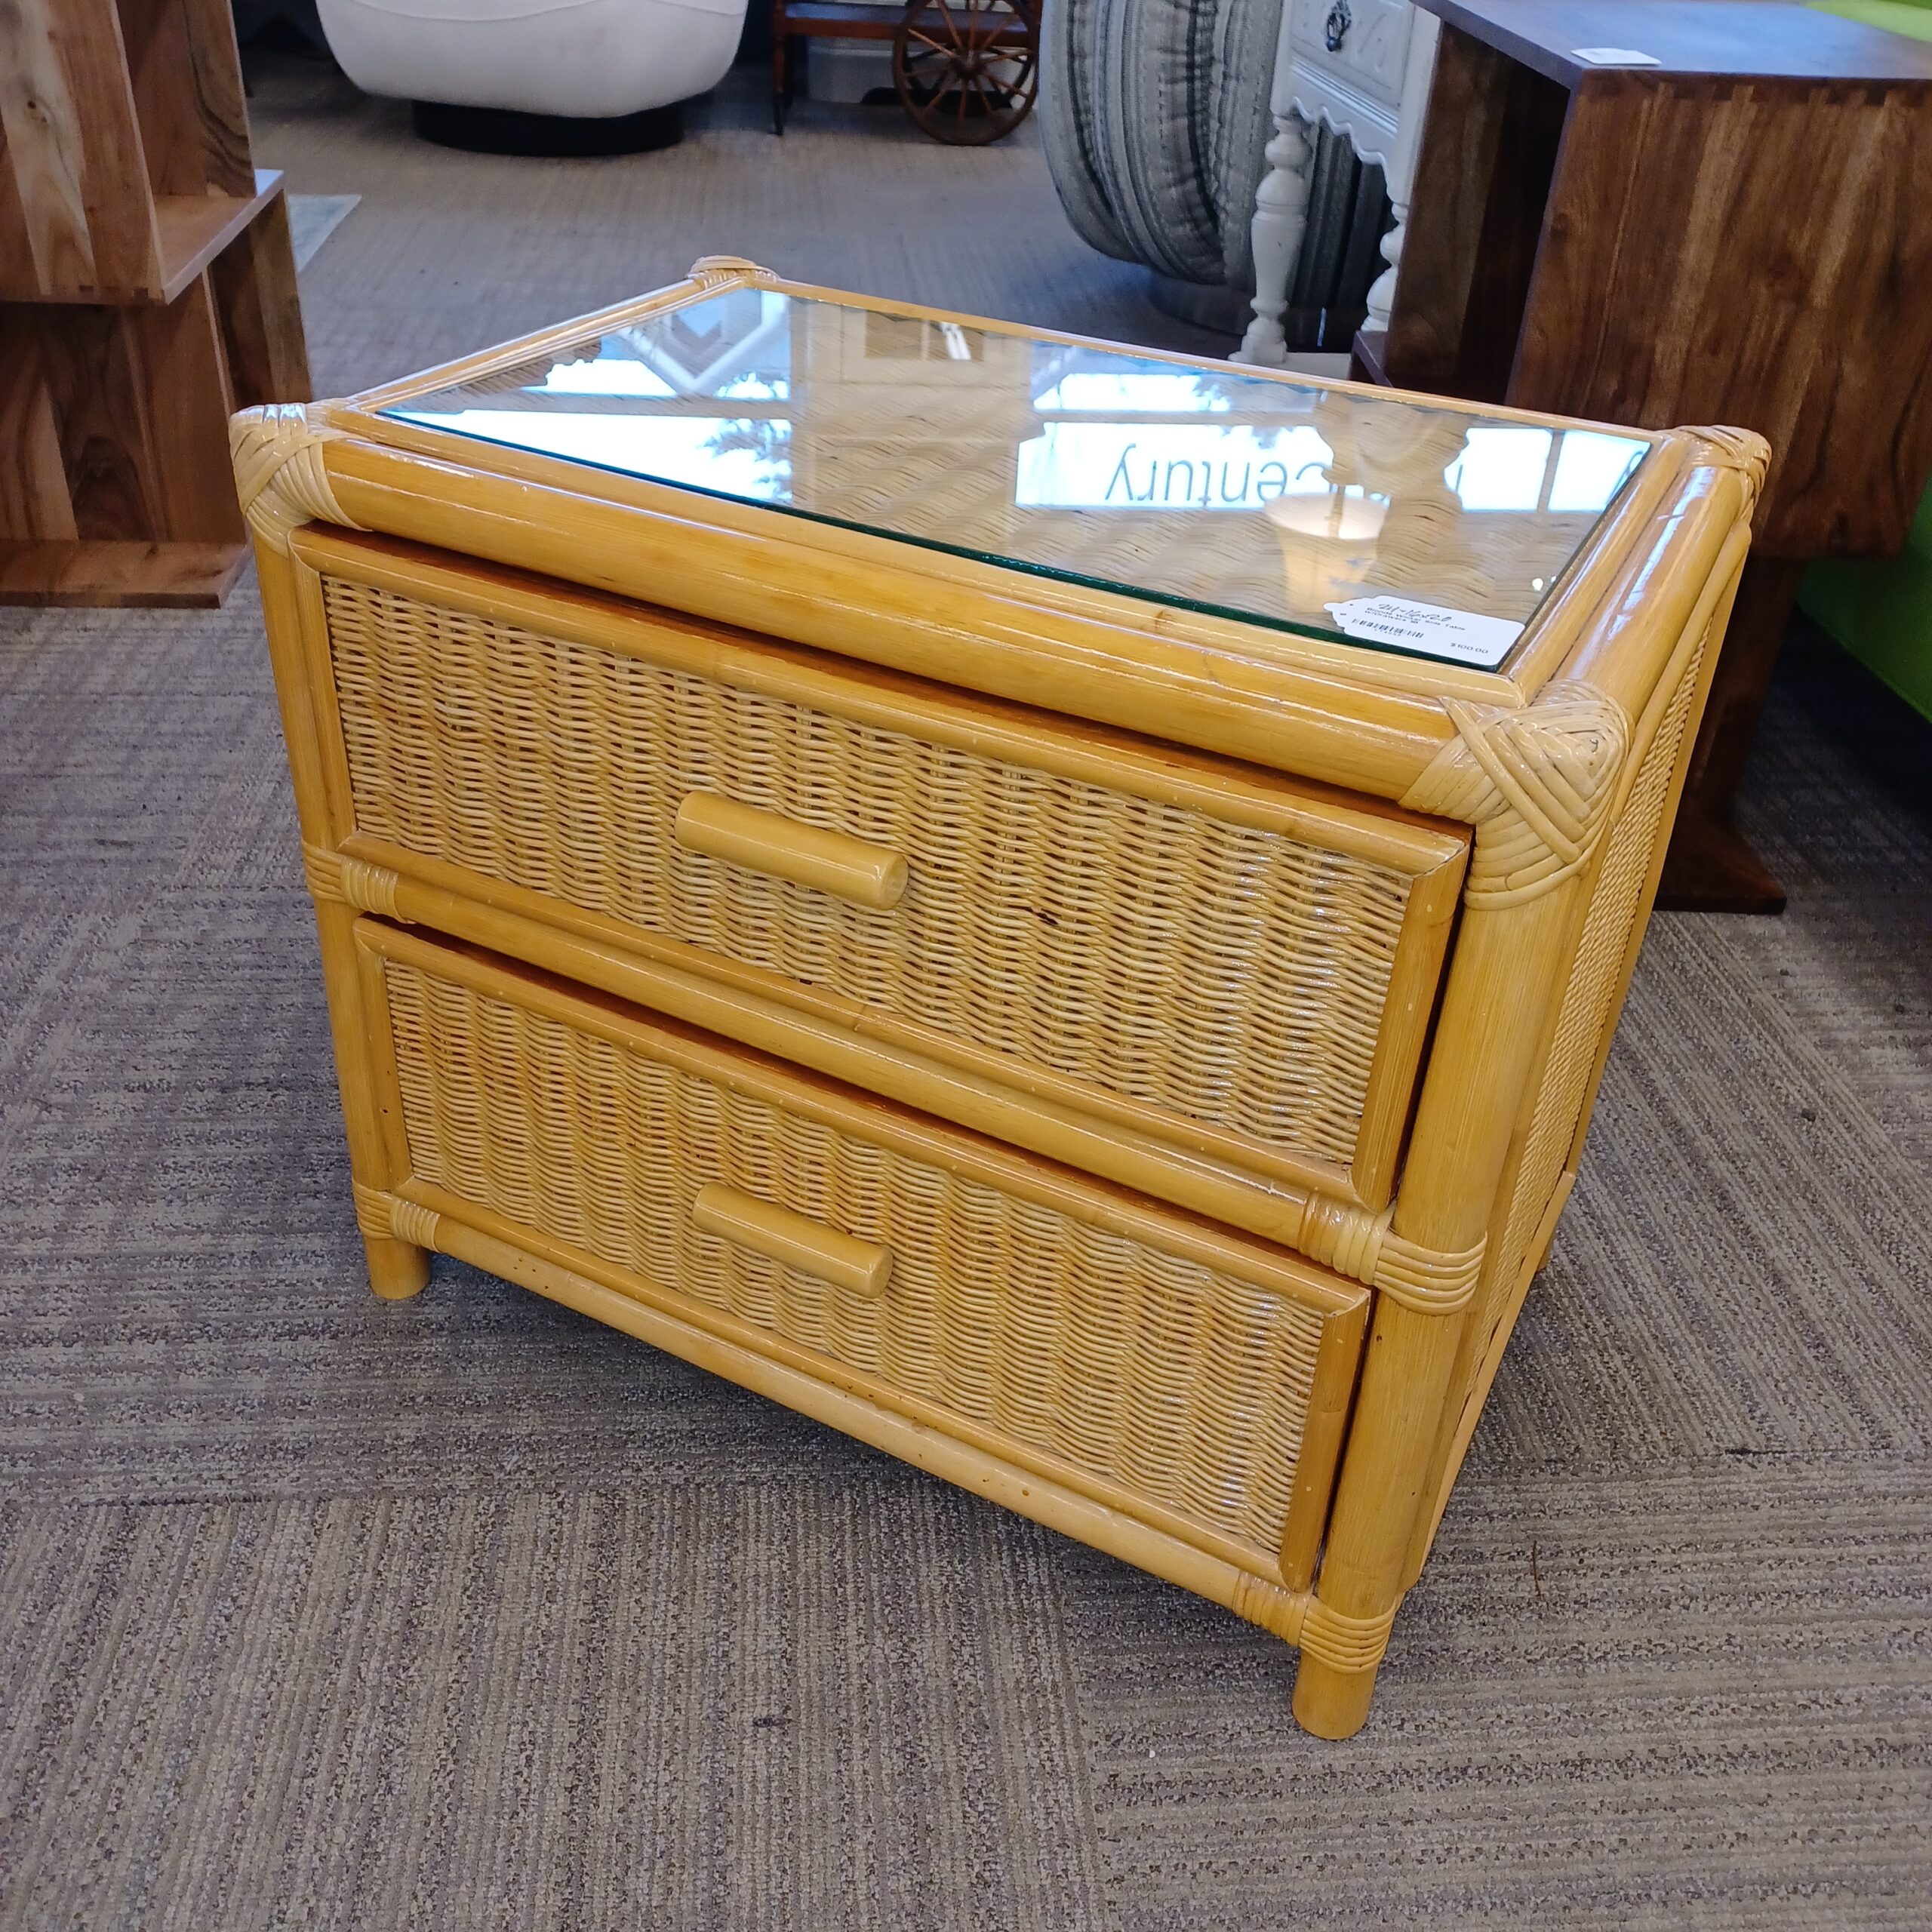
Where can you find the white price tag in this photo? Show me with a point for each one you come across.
(1613, 56)
(1460, 637)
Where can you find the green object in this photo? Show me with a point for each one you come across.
(1882, 613)
(1911, 18)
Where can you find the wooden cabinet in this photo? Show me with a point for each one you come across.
(1648, 211)
(147, 289)
(1097, 988)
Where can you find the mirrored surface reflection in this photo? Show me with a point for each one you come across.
(1347, 516)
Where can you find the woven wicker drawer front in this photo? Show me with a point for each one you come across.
(1185, 1384)
(1215, 972)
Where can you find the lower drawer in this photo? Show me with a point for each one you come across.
(1156, 1363)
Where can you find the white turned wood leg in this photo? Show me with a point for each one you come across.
(1280, 219)
(1382, 291)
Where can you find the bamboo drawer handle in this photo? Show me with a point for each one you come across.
(849, 869)
(861, 1267)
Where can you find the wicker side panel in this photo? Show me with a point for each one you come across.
(1230, 976)
(1585, 1012)
(1189, 1386)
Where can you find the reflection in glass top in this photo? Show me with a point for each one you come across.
(1412, 528)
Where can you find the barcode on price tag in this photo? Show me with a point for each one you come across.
(1457, 637)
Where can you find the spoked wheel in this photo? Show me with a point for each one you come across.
(968, 70)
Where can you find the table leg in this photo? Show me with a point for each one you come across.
(1281, 220)
(1382, 291)
(1709, 868)
(778, 67)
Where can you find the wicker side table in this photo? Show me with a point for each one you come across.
(1059, 909)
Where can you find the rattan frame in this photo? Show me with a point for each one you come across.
(1565, 768)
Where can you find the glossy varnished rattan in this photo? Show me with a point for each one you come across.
(1609, 927)
(732, 810)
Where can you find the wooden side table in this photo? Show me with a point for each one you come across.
(818, 19)
(981, 55)
(1739, 232)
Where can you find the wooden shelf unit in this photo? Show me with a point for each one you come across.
(147, 291)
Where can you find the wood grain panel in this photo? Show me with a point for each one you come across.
(17, 272)
(1489, 149)
(33, 482)
(114, 576)
(1778, 228)
(186, 78)
(178, 360)
(260, 309)
(73, 148)
(1747, 39)
(45, 154)
(138, 394)
(221, 103)
(101, 405)
(155, 34)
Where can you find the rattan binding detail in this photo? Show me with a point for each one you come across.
(708, 271)
(1355, 1243)
(370, 888)
(1537, 785)
(355, 882)
(411, 1222)
(1428, 1282)
(1341, 1236)
(279, 475)
(1280, 1612)
(1743, 450)
(385, 1216)
(372, 1210)
(321, 869)
(1344, 1643)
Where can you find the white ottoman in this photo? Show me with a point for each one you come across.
(586, 62)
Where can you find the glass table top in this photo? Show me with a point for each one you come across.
(1428, 531)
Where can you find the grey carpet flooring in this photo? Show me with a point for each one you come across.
(312, 219)
(467, 1613)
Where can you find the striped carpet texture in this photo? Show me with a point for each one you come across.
(465, 1614)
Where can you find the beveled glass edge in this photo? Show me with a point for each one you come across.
(1334, 652)
(1052, 574)
(1548, 641)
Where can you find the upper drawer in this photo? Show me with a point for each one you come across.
(1371, 37)
(1236, 967)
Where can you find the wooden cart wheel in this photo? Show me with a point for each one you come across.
(967, 71)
